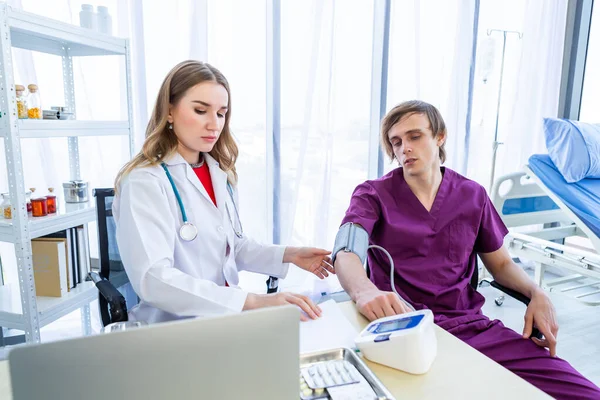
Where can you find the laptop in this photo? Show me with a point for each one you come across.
(250, 355)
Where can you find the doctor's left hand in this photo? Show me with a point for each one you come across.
(311, 259)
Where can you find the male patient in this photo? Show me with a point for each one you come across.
(434, 222)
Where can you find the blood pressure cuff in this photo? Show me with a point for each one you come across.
(351, 238)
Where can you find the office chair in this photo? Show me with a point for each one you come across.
(475, 285)
(512, 293)
(112, 304)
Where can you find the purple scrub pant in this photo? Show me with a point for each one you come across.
(552, 375)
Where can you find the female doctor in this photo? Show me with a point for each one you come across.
(175, 207)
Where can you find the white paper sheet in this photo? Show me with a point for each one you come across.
(332, 330)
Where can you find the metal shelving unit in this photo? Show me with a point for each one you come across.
(20, 308)
(45, 128)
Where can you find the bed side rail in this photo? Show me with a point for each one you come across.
(521, 202)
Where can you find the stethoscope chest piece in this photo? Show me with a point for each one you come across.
(188, 232)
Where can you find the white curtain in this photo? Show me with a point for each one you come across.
(237, 47)
(326, 51)
(590, 101)
(531, 82)
(325, 104)
(326, 97)
(430, 57)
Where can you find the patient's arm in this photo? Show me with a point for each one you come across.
(370, 301)
(352, 274)
(540, 311)
(507, 273)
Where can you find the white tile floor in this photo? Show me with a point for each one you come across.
(579, 336)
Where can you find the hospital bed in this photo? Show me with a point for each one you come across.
(554, 224)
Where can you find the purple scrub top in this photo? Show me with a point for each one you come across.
(435, 252)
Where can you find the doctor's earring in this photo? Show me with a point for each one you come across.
(170, 126)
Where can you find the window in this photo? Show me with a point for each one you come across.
(495, 17)
(237, 47)
(590, 99)
(429, 59)
(325, 106)
(531, 76)
(326, 50)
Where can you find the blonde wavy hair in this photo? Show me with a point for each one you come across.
(161, 142)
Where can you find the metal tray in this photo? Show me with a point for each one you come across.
(381, 391)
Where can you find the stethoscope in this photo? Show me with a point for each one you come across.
(188, 231)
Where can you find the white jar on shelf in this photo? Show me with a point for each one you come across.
(87, 17)
(104, 20)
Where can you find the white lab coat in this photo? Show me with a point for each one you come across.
(174, 278)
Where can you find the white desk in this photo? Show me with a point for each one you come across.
(459, 372)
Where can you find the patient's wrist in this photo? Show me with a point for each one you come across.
(365, 292)
(536, 291)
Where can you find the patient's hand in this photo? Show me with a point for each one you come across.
(375, 304)
(541, 313)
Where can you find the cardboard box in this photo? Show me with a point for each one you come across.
(50, 266)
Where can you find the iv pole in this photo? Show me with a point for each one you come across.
(496, 142)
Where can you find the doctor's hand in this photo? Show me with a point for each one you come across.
(375, 304)
(281, 299)
(541, 314)
(313, 260)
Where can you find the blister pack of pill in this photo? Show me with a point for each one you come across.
(318, 378)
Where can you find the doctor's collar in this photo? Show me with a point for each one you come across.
(177, 159)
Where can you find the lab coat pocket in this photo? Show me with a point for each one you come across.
(461, 239)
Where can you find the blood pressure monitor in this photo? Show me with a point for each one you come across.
(406, 342)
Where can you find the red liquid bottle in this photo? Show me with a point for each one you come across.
(39, 207)
(51, 201)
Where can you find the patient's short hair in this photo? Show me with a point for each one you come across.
(436, 123)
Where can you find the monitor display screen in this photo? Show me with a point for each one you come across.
(398, 324)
